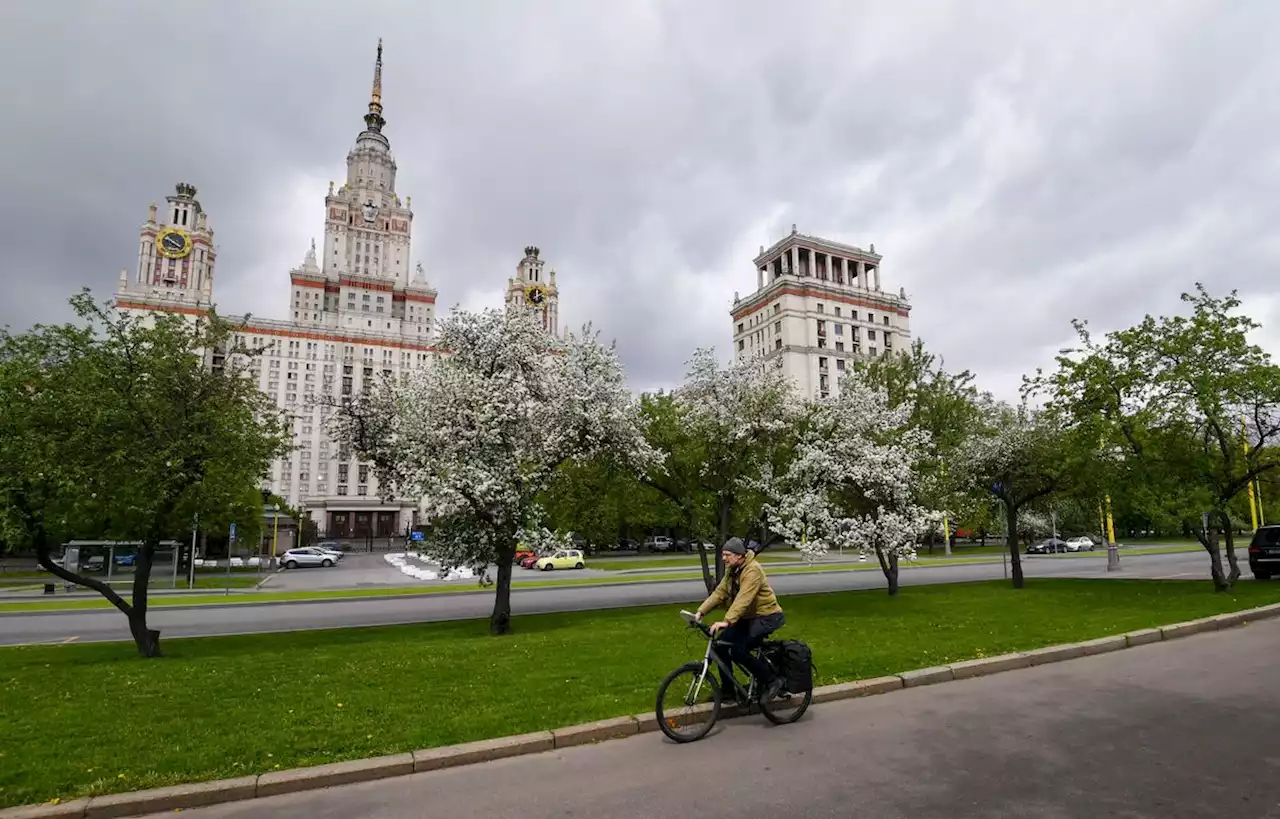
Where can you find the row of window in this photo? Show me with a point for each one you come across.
(759, 318)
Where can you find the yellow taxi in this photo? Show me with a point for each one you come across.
(562, 559)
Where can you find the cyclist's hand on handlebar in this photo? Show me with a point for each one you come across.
(720, 626)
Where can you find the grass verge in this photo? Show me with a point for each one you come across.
(92, 719)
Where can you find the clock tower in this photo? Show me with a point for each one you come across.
(536, 290)
(175, 256)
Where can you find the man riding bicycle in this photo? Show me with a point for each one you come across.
(753, 614)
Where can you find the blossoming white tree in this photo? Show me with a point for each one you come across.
(855, 479)
(738, 420)
(478, 435)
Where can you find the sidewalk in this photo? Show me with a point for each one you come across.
(1120, 734)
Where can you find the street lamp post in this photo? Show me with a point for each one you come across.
(275, 531)
(191, 561)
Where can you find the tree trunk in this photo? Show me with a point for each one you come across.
(500, 620)
(707, 579)
(146, 639)
(1015, 557)
(1209, 540)
(1229, 535)
(726, 512)
(889, 565)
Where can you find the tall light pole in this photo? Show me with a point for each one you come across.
(191, 563)
(1253, 500)
(275, 531)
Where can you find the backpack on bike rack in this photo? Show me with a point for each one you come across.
(794, 661)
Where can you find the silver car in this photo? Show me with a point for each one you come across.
(309, 556)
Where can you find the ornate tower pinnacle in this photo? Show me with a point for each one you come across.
(374, 119)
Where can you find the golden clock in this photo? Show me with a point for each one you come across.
(173, 243)
(536, 295)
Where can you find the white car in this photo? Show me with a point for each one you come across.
(659, 543)
(309, 556)
(1080, 544)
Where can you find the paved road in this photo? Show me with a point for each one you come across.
(1167, 731)
(108, 624)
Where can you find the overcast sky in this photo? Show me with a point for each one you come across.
(1017, 164)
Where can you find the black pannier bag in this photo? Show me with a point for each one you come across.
(794, 661)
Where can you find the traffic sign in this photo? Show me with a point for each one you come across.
(416, 536)
(233, 531)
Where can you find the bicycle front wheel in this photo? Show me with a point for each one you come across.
(688, 703)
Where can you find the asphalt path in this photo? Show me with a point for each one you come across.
(248, 618)
(1171, 730)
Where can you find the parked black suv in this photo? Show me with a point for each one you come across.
(1264, 552)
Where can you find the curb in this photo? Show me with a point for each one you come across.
(179, 797)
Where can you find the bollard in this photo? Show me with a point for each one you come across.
(1113, 557)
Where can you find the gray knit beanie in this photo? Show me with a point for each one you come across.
(734, 546)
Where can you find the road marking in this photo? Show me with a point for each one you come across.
(69, 640)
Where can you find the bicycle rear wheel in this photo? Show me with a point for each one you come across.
(786, 709)
(694, 703)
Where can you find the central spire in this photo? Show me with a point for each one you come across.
(374, 119)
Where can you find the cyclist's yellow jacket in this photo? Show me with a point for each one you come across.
(747, 591)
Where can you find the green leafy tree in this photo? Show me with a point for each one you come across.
(122, 427)
(601, 500)
(1193, 407)
(1020, 455)
(719, 433)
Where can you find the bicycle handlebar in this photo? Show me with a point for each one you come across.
(694, 622)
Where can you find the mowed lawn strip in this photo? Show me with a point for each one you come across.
(91, 719)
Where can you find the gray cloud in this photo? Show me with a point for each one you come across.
(1016, 164)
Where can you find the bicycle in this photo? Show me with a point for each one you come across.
(702, 680)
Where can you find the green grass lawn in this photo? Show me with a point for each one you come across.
(90, 719)
(202, 582)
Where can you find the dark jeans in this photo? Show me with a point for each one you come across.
(744, 636)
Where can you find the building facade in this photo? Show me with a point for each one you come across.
(357, 314)
(818, 306)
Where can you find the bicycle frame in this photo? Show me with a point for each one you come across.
(724, 663)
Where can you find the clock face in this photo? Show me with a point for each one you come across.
(535, 296)
(173, 243)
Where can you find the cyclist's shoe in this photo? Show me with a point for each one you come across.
(773, 690)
